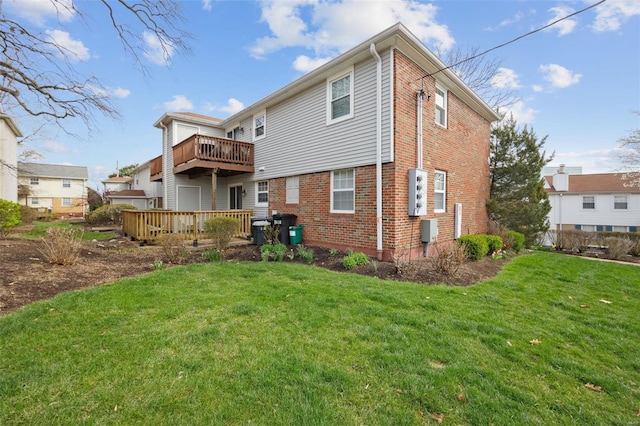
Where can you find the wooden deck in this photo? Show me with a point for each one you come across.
(149, 225)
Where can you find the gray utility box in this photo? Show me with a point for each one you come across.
(428, 230)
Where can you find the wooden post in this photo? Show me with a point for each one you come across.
(214, 187)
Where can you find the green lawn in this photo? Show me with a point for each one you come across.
(39, 230)
(283, 343)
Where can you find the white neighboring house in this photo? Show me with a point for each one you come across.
(60, 189)
(9, 134)
(592, 202)
(139, 190)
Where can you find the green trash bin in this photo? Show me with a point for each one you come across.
(295, 234)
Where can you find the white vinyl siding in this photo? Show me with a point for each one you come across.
(259, 126)
(441, 105)
(262, 193)
(293, 190)
(440, 191)
(343, 191)
(340, 95)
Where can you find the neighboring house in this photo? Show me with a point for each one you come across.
(115, 184)
(9, 134)
(366, 151)
(592, 202)
(139, 190)
(60, 189)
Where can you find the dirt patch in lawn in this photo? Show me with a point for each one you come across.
(26, 275)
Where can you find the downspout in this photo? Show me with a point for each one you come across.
(165, 194)
(375, 55)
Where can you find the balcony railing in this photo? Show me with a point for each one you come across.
(200, 152)
(156, 168)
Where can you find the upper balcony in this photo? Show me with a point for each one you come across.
(203, 155)
(156, 169)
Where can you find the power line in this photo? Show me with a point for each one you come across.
(515, 39)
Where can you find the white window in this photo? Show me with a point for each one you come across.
(262, 193)
(589, 228)
(66, 202)
(34, 181)
(620, 228)
(35, 201)
(340, 97)
(620, 202)
(441, 106)
(293, 190)
(66, 183)
(588, 202)
(259, 126)
(440, 191)
(343, 191)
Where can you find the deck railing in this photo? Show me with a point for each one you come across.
(149, 225)
(214, 149)
(156, 168)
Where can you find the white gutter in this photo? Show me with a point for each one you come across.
(375, 55)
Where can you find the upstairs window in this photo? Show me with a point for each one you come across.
(343, 191)
(234, 133)
(259, 126)
(34, 181)
(441, 106)
(340, 97)
(589, 202)
(262, 193)
(440, 191)
(66, 183)
(620, 202)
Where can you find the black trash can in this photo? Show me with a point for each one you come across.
(285, 220)
(257, 230)
(255, 219)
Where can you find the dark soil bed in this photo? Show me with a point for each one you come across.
(26, 276)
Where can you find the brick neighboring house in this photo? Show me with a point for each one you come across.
(365, 150)
(592, 202)
(9, 134)
(59, 189)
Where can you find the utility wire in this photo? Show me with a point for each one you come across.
(515, 39)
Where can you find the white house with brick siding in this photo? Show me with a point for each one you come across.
(366, 151)
(592, 202)
(9, 134)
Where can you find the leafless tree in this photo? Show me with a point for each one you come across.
(630, 157)
(39, 77)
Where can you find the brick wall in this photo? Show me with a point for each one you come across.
(461, 150)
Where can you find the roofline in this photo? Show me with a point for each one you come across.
(166, 117)
(395, 36)
(12, 124)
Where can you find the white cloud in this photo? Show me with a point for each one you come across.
(519, 16)
(559, 76)
(537, 88)
(53, 146)
(594, 161)
(155, 51)
(563, 27)
(38, 11)
(233, 106)
(72, 49)
(206, 5)
(520, 112)
(505, 78)
(611, 15)
(330, 27)
(305, 64)
(120, 93)
(179, 103)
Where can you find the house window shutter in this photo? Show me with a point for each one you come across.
(633, 229)
(599, 228)
(609, 228)
(578, 227)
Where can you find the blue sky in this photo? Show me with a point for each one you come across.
(578, 81)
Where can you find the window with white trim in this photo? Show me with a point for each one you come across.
(620, 202)
(620, 228)
(343, 191)
(589, 228)
(441, 105)
(66, 183)
(439, 191)
(66, 202)
(34, 181)
(262, 193)
(589, 202)
(293, 190)
(259, 125)
(35, 201)
(340, 97)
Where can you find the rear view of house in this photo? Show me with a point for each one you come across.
(381, 150)
(54, 188)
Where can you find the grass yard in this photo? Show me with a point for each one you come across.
(39, 230)
(551, 340)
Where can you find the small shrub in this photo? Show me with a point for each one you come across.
(333, 252)
(574, 240)
(517, 239)
(617, 247)
(275, 252)
(353, 259)
(448, 259)
(272, 234)
(173, 247)
(158, 265)
(212, 255)
(494, 242)
(635, 249)
(110, 213)
(61, 246)
(9, 217)
(305, 253)
(27, 215)
(265, 252)
(475, 246)
(221, 229)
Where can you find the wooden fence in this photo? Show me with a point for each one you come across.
(149, 225)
